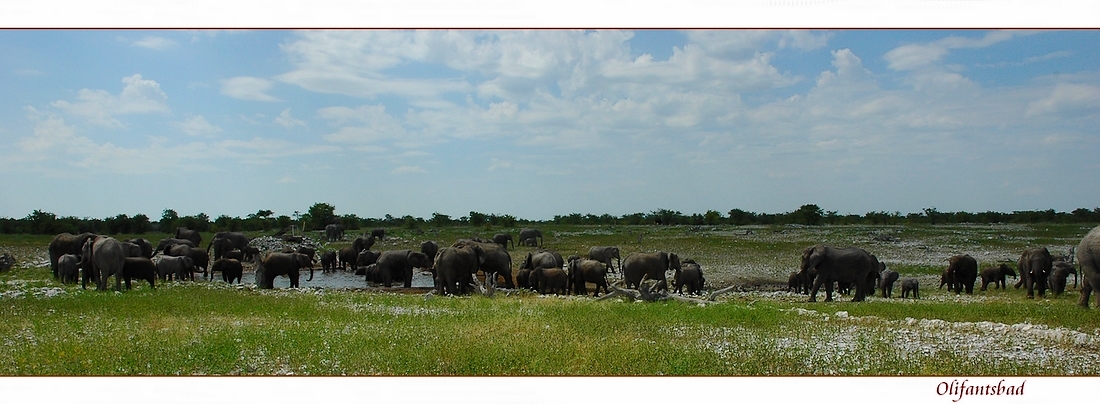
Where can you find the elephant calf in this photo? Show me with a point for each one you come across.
(68, 268)
(996, 276)
(230, 268)
(139, 268)
(910, 285)
(689, 274)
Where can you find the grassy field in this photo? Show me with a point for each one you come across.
(191, 328)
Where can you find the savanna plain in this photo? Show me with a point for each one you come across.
(213, 328)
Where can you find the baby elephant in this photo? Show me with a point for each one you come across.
(910, 285)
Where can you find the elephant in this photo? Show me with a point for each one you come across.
(363, 243)
(307, 250)
(186, 234)
(886, 283)
(494, 261)
(910, 285)
(66, 243)
(240, 241)
(170, 267)
(347, 256)
(1058, 274)
(604, 254)
(102, 257)
(146, 247)
(68, 268)
(1088, 258)
(523, 279)
(372, 274)
(230, 268)
(581, 271)
(550, 280)
(828, 264)
(166, 243)
(962, 271)
(233, 254)
(378, 233)
(525, 234)
(689, 274)
(455, 267)
(221, 246)
(1035, 266)
(139, 268)
(183, 250)
(530, 242)
(328, 261)
(945, 280)
(637, 266)
(275, 264)
(399, 264)
(250, 252)
(996, 276)
(334, 232)
(503, 239)
(365, 257)
(430, 248)
(795, 283)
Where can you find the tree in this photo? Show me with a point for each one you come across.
(440, 220)
(712, 217)
(320, 215)
(168, 218)
(808, 215)
(740, 217)
(477, 219)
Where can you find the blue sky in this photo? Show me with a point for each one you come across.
(547, 122)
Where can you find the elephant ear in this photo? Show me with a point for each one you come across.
(813, 256)
(673, 261)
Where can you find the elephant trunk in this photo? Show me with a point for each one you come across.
(310, 274)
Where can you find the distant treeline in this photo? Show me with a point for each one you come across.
(321, 214)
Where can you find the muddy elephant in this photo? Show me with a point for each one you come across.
(187, 234)
(637, 266)
(829, 264)
(334, 232)
(584, 271)
(328, 261)
(102, 257)
(66, 243)
(690, 274)
(230, 268)
(996, 275)
(1088, 258)
(1060, 271)
(399, 264)
(910, 285)
(886, 282)
(455, 267)
(962, 271)
(531, 234)
(1035, 265)
(503, 239)
(289, 264)
(178, 268)
(140, 268)
(604, 254)
(494, 261)
(68, 268)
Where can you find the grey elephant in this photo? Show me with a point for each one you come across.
(1035, 265)
(169, 267)
(399, 264)
(146, 247)
(328, 261)
(187, 234)
(962, 271)
(364, 243)
(334, 232)
(347, 256)
(530, 242)
(493, 260)
(535, 234)
(551, 280)
(183, 250)
(66, 243)
(239, 240)
(276, 264)
(604, 254)
(637, 266)
(230, 268)
(829, 264)
(503, 239)
(139, 268)
(910, 285)
(996, 275)
(221, 246)
(1060, 271)
(795, 283)
(886, 283)
(455, 267)
(690, 274)
(167, 243)
(365, 257)
(102, 257)
(378, 233)
(68, 268)
(1088, 258)
(583, 271)
(430, 249)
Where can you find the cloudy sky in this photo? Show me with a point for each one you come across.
(546, 122)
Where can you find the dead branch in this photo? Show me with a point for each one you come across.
(714, 295)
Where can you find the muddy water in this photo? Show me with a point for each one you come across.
(335, 280)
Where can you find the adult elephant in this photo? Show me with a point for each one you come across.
(583, 271)
(378, 233)
(365, 258)
(399, 264)
(230, 268)
(996, 276)
(220, 247)
(493, 260)
(652, 265)
(430, 248)
(689, 274)
(139, 268)
(166, 243)
(363, 243)
(146, 246)
(829, 264)
(289, 264)
(1035, 266)
(66, 243)
(175, 267)
(534, 234)
(328, 261)
(68, 268)
(183, 250)
(102, 257)
(240, 240)
(347, 256)
(962, 271)
(886, 282)
(187, 234)
(334, 232)
(1088, 258)
(604, 254)
(503, 239)
(1060, 271)
(455, 267)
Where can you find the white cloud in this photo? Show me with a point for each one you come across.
(248, 88)
(197, 125)
(100, 107)
(408, 170)
(285, 120)
(1067, 97)
(155, 43)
